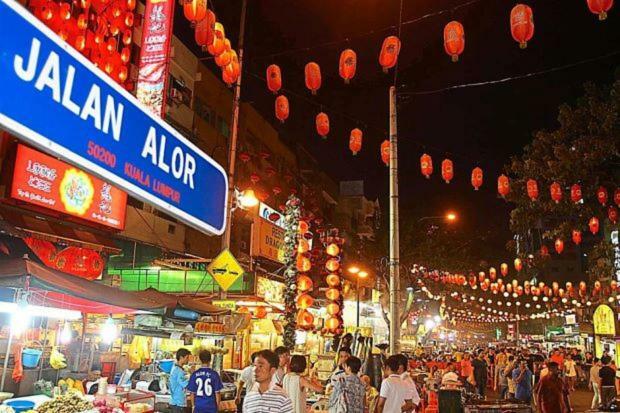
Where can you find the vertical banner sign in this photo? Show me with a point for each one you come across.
(57, 100)
(154, 55)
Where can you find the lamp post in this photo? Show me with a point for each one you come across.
(361, 274)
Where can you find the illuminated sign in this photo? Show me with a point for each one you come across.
(270, 214)
(225, 270)
(270, 290)
(57, 100)
(267, 240)
(603, 320)
(47, 182)
(154, 55)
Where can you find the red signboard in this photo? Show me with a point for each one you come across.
(47, 182)
(154, 55)
(83, 262)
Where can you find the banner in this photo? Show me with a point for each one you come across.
(154, 55)
(267, 240)
(603, 320)
(82, 262)
(41, 180)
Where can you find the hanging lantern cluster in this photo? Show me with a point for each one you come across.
(101, 30)
(305, 320)
(334, 295)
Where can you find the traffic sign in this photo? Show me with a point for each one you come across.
(225, 269)
(56, 99)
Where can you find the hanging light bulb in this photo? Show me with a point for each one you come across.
(108, 331)
(65, 334)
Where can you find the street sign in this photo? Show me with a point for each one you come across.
(57, 100)
(225, 269)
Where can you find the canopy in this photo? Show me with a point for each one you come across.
(172, 301)
(69, 291)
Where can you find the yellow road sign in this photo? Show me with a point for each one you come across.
(225, 269)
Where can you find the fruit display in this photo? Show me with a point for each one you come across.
(6, 409)
(103, 406)
(67, 403)
(57, 360)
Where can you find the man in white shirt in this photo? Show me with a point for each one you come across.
(394, 392)
(265, 396)
(246, 380)
(412, 390)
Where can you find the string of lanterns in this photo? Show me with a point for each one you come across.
(334, 293)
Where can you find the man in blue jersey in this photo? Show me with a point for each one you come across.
(205, 386)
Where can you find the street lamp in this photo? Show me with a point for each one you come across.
(245, 199)
(449, 217)
(360, 274)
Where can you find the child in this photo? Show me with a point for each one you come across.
(205, 386)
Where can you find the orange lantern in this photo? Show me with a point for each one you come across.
(322, 125)
(389, 53)
(481, 277)
(332, 250)
(532, 189)
(233, 69)
(195, 10)
(522, 24)
(454, 39)
(576, 237)
(282, 108)
(509, 288)
(617, 197)
(332, 294)
(313, 77)
(504, 269)
(520, 290)
(601, 195)
(582, 286)
(476, 178)
(492, 273)
(303, 227)
(503, 185)
(303, 246)
(426, 165)
(355, 141)
(518, 264)
(224, 58)
(447, 170)
(332, 309)
(347, 65)
(559, 246)
(333, 280)
(274, 78)
(304, 283)
(600, 7)
(332, 323)
(260, 312)
(304, 301)
(218, 44)
(303, 263)
(612, 214)
(305, 319)
(575, 193)
(556, 192)
(594, 225)
(385, 152)
(332, 264)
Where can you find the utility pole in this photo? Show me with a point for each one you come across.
(232, 149)
(394, 235)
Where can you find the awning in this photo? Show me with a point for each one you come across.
(23, 224)
(75, 292)
(172, 301)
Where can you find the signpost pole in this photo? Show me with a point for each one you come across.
(232, 150)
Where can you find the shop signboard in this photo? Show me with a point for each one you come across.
(270, 214)
(44, 181)
(228, 304)
(267, 240)
(154, 55)
(225, 269)
(57, 100)
(270, 290)
(604, 321)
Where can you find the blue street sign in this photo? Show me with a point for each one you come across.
(56, 99)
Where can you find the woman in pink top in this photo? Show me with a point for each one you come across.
(466, 369)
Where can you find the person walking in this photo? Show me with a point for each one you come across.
(467, 372)
(265, 396)
(570, 369)
(480, 373)
(284, 358)
(205, 386)
(549, 392)
(522, 377)
(349, 392)
(392, 396)
(608, 382)
(296, 385)
(412, 390)
(510, 366)
(595, 382)
(178, 382)
(343, 354)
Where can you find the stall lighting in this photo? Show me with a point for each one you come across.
(65, 334)
(437, 319)
(39, 311)
(429, 324)
(108, 331)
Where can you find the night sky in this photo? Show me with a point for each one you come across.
(480, 126)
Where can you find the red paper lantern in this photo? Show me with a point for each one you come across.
(332, 323)
(454, 39)
(304, 283)
(195, 10)
(426, 165)
(333, 280)
(518, 264)
(522, 24)
(347, 65)
(305, 319)
(600, 7)
(504, 269)
(532, 189)
(224, 58)
(544, 251)
(332, 264)
(303, 227)
(218, 44)
(447, 170)
(282, 108)
(355, 141)
(556, 192)
(385, 152)
(612, 214)
(576, 237)
(274, 78)
(503, 185)
(389, 53)
(476, 178)
(332, 250)
(617, 196)
(332, 294)
(593, 225)
(481, 277)
(575, 193)
(303, 263)
(322, 124)
(601, 195)
(559, 246)
(313, 77)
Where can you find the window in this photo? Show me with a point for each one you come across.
(171, 229)
(204, 111)
(222, 127)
